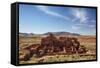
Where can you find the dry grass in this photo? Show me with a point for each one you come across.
(88, 42)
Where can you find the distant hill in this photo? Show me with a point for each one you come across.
(26, 34)
(62, 33)
(45, 34)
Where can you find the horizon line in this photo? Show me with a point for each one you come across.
(57, 31)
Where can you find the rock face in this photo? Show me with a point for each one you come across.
(53, 45)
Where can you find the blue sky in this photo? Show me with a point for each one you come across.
(41, 19)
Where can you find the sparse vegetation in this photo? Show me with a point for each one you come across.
(89, 42)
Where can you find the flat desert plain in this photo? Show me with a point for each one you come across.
(87, 41)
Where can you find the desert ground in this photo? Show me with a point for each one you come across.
(87, 41)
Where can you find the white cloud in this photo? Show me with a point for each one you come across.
(49, 12)
(81, 19)
(92, 26)
(93, 21)
(80, 15)
(74, 27)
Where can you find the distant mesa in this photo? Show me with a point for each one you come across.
(26, 34)
(45, 34)
(62, 33)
